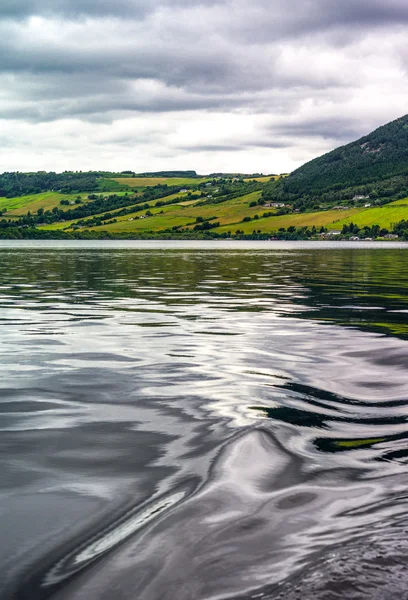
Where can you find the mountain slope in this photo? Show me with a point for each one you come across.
(377, 162)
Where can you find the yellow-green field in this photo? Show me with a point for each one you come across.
(384, 216)
(47, 200)
(326, 218)
(151, 181)
(404, 202)
(262, 179)
(17, 207)
(189, 202)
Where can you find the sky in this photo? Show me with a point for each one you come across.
(210, 85)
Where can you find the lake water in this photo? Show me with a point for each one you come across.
(203, 421)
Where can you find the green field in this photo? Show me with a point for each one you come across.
(111, 185)
(404, 201)
(328, 218)
(47, 200)
(384, 216)
(17, 207)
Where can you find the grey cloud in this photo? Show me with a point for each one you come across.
(211, 148)
(287, 16)
(331, 128)
(294, 18)
(239, 145)
(212, 68)
(272, 143)
(22, 9)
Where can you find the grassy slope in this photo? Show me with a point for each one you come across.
(231, 211)
(385, 216)
(229, 214)
(47, 200)
(326, 218)
(151, 203)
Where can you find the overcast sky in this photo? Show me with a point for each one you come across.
(235, 85)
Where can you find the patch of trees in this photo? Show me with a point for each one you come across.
(168, 174)
(21, 184)
(375, 231)
(206, 224)
(401, 229)
(230, 190)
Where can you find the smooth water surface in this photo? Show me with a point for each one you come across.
(203, 421)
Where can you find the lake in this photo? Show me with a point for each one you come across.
(203, 420)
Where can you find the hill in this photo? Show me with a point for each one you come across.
(218, 208)
(358, 190)
(375, 166)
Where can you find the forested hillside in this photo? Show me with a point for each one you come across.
(375, 166)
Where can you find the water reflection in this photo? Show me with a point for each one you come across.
(199, 423)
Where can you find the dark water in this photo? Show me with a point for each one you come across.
(213, 422)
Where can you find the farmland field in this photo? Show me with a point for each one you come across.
(262, 179)
(47, 200)
(17, 207)
(404, 201)
(384, 216)
(328, 218)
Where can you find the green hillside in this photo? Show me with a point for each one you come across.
(375, 166)
(214, 210)
(357, 191)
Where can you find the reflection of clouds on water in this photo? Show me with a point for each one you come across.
(262, 516)
(265, 378)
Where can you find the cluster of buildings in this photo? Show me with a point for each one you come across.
(355, 238)
(274, 205)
